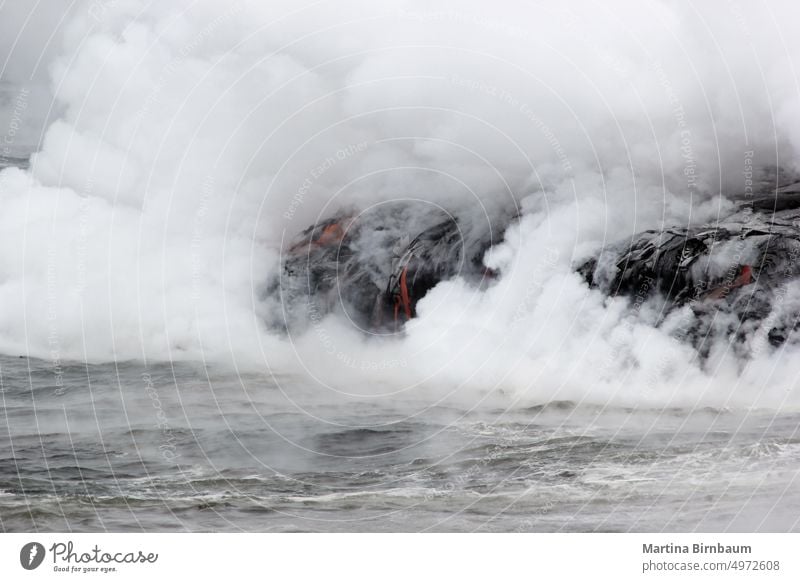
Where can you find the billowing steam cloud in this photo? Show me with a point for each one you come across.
(193, 139)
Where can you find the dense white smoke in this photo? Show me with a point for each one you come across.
(193, 138)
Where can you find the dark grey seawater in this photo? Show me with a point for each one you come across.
(13, 162)
(189, 447)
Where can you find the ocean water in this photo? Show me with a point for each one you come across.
(193, 447)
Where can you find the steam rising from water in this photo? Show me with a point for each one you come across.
(192, 141)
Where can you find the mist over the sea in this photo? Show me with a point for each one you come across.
(179, 146)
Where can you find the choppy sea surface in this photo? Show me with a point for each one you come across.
(192, 447)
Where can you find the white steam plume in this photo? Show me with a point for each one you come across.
(192, 137)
